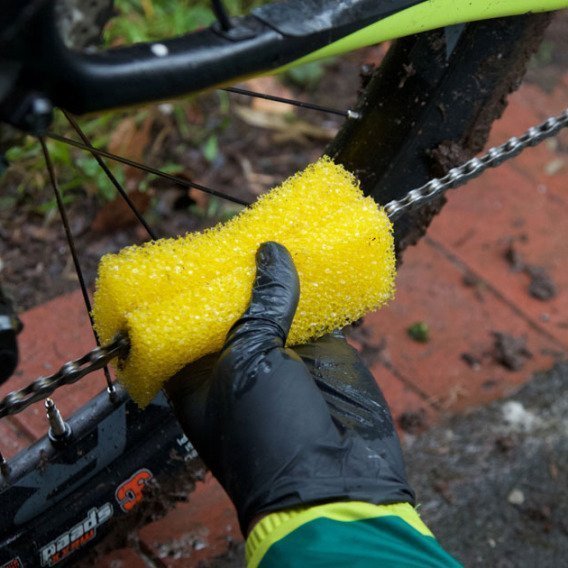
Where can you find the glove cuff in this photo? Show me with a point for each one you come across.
(287, 493)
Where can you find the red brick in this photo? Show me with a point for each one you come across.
(402, 398)
(203, 528)
(518, 116)
(478, 225)
(122, 558)
(404, 402)
(461, 320)
(544, 103)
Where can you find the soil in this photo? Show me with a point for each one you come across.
(541, 285)
(510, 352)
(500, 474)
(159, 499)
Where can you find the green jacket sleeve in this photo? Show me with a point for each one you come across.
(345, 534)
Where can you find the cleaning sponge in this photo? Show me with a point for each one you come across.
(177, 298)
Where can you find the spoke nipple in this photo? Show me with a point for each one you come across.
(354, 115)
(112, 394)
(59, 430)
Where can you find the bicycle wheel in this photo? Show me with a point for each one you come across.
(117, 449)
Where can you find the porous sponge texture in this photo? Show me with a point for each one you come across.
(177, 298)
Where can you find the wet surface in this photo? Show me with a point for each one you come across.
(492, 485)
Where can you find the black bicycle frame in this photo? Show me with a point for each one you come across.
(56, 501)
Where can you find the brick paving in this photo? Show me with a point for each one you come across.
(467, 280)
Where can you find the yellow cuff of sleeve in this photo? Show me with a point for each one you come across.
(276, 526)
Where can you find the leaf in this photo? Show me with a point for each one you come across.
(289, 128)
(200, 198)
(130, 139)
(306, 76)
(116, 213)
(272, 86)
(419, 331)
(121, 136)
(211, 148)
(7, 202)
(257, 182)
(148, 8)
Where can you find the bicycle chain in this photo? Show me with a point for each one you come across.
(68, 374)
(96, 359)
(472, 168)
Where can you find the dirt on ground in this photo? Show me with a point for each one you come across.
(500, 475)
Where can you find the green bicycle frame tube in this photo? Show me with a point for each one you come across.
(428, 15)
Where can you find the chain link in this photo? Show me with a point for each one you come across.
(96, 359)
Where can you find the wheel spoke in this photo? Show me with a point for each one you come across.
(111, 176)
(293, 102)
(72, 248)
(221, 15)
(177, 180)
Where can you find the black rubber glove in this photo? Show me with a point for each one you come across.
(286, 427)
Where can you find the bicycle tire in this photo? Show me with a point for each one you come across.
(375, 165)
(442, 115)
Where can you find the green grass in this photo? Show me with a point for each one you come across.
(150, 20)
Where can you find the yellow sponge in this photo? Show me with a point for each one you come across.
(177, 298)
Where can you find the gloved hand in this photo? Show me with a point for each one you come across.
(285, 427)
